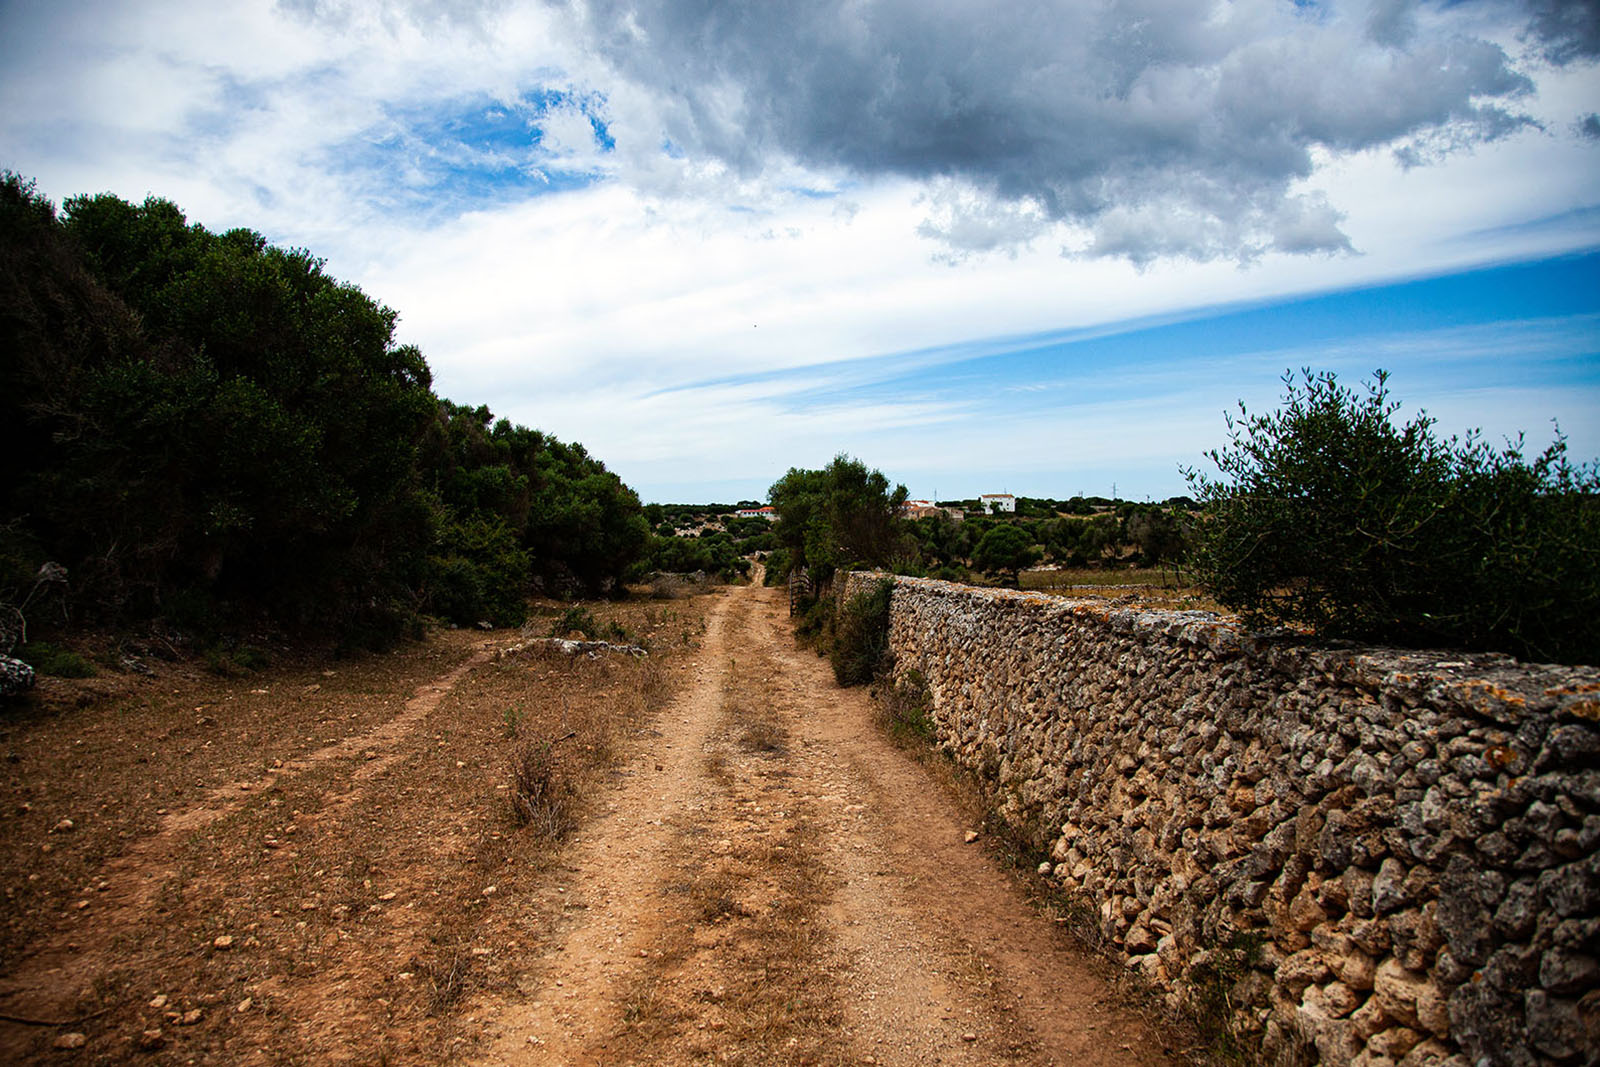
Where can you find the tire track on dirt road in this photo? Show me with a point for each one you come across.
(48, 982)
(610, 910)
(949, 963)
(828, 837)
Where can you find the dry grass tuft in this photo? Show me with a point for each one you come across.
(642, 1007)
(712, 896)
(449, 977)
(543, 796)
(905, 708)
(764, 736)
(652, 683)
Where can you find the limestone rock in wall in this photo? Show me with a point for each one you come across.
(1391, 855)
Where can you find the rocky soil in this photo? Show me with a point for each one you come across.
(324, 864)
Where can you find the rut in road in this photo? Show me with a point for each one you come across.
(775, 882)
(47, 982)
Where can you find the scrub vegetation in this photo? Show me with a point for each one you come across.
(206, 432)
(215, 441)
(1330, 516)
(1330, 513)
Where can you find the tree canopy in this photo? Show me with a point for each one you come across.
(203, 426)
(1330, 514)
(1004, 548)
(843, 515)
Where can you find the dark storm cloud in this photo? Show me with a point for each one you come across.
(1164, 127)
(1568, 30)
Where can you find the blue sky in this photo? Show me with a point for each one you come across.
(1508, 349)
(1036, 246)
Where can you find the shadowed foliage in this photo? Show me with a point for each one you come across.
(209, 430)
(1332, 515)
(859, 651)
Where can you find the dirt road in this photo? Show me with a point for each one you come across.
(779, 883)
(758, 874)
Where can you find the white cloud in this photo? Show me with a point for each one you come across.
(954, 168)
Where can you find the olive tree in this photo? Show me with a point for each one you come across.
(1332, 513)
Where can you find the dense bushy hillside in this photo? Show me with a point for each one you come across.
(206, 429)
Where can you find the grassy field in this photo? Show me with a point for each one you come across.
(1139, 576)
(1150, 586)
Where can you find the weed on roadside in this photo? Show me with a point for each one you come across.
(815, 624)
(764, 736)
(46, 658)
(448, 977)
(642, 1007)
(579, 619)
(236, 662)
(712, 896)
(860, 648)
(543, 796)
(576, 619)
(905, 707)
(510, 722)
(1212, 984)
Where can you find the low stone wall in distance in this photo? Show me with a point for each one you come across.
(1384, 856)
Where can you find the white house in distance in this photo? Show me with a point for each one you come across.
(993, 502)
(770, 514)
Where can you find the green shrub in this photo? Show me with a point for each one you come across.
(816, 622)
(233, 662)
(860, 647)
(714, 553)
(46, 658)
(906, 703)
(1330, 515)
(778, 563)
(577, 619)
(511, 722)
(376, 627)
(482, 574)
(251, 658)
(219, 662)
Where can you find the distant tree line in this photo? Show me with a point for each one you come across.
(846, 515)
(708, 538)
(1328, 515)
(1115, 534)
(208, 430)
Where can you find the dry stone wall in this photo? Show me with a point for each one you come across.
(1382, 856)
